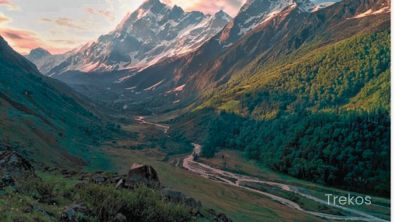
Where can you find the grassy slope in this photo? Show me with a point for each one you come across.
(239, 205)
(46, 197)
(43, 118)
(348, 72)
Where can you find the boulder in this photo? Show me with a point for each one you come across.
(99, 179)
(15, 164)
(68, 173)
(218, 217)
(141, 175)
(73, 212)
(14, 167)
(180, 198)
(119, 218)
(222, 218)
(6, 180)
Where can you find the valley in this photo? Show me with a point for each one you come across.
(184, 115)
(181, 172)
(242, 181)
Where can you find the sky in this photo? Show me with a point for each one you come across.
(61, 25)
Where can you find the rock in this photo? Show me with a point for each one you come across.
(27, 209)
(212, 212)
(14, 167)
(72, 212)
(15, 164)
(119, 218)
(42, 212)
(115, 179)
(192, 203)
(6, 181)
(218, 217)
(85, 177)
(222, 218)
(119, 183)
(99, 179)
(141, 174)
(180, 198)
(68, 173)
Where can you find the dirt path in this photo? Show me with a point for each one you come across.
(233, 179)
(141, 120)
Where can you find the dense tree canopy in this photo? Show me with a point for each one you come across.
(322, 117)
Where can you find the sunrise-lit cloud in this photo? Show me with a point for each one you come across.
(9, 4)
(64, 25)
(4, 19)
(230, 6)
(23, 41)
(104, 13)
(64, 41)
(64, 22)
(5, 2)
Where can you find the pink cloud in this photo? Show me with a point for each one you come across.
(4, 19)
(230, 6)
(65, 22)
(104, 13)
(9, 4)
(23, 41)
(5, 2)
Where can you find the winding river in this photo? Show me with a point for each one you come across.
(237, 180)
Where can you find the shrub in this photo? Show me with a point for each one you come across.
(141, 204)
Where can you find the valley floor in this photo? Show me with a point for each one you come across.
(238, 187)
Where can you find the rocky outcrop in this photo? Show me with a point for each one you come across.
(140, 174)
(119, 218)
(101, 178)
(218, 217)
(73, 212)
(13, 167)
(15, 164)
(180, 198)
(222, 218)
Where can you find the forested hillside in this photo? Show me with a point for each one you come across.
(323, 116)
(326, 79)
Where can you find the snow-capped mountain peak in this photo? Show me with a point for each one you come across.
(152, 32)
(256, 12)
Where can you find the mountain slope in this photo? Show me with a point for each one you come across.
(44, 60)
(42, 117)
(153, 32)
(304, 98)
(169, 77)
(213, 65)
(321, 115)
(286, 33)
(255, 13)
(177, 82)
(314, 81)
